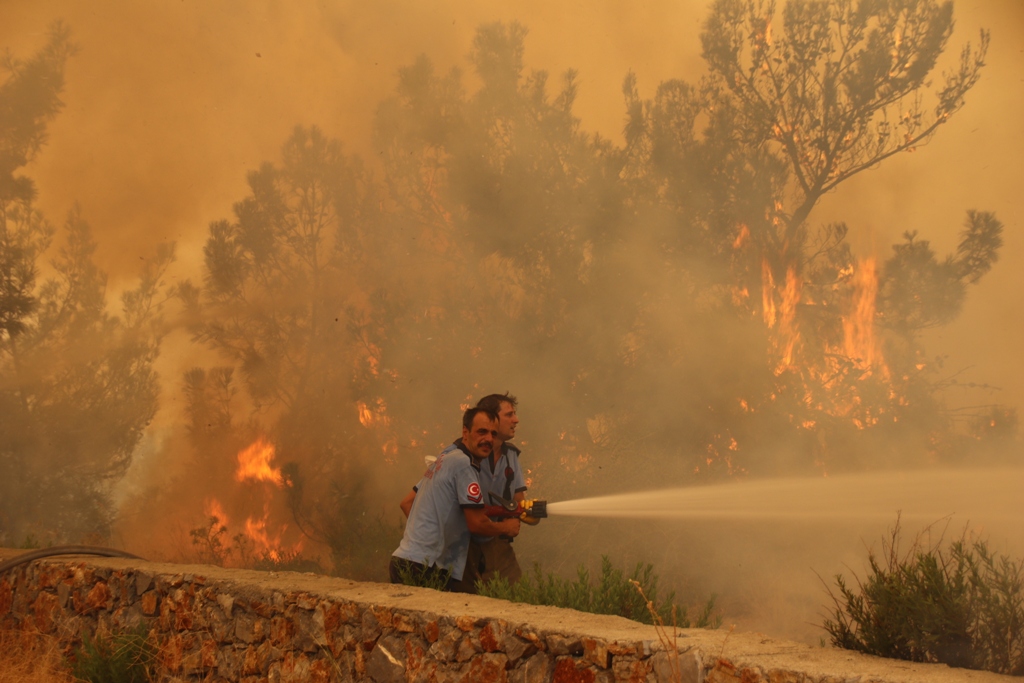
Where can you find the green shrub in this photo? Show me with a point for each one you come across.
(121, 657)
(962, 606)
(411, 574)
(613, 594)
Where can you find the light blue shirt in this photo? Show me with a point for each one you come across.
(436, 533)
(505, 479)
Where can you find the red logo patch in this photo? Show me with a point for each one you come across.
(473, 493)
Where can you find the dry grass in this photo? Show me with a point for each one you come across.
(32, 658)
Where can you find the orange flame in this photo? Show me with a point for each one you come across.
(741, 237)
(767, 294)
(859, 342)
(789, 335)
(265, 544)
(369, 417)
(213, 508)
(254, 463)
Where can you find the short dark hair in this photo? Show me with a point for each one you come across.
(467, 417)
(494, 401)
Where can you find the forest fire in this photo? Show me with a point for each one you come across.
(826, 357)
(254, 463)
(261, 536)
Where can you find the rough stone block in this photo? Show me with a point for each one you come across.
(7, 596)
(254, 661)
(262, 608)
(596, 652)
(350, 613)
(63, 593)
(250, 629)
(568, 670)
(516, 648)
(492, 635)
(385, 662)
(415, 654)
(229, 663)
(371, 626)
(403, 622)
(486, 668)
(344, 665)
(143, 582)
(465, 623)
(631, 670)
(305, 601)
(45, 610)
(533, 637)
(535, 669)
(305, 631)
(560, 645)
(467, 649)
(617, 649)
(149, 603)
(166, 618)
(227, 603)
(446, 646)
(48, 576)
(320, 671)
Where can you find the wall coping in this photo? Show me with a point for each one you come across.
(718, 650)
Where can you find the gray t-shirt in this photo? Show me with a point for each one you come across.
(505, 479)
(436, 532)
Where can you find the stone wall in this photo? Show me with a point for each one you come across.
(214, 624)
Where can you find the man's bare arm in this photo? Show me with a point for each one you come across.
(406, 503)
(481, 525)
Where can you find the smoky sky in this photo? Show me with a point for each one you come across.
(169, 104)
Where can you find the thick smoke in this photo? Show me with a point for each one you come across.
(170, 106)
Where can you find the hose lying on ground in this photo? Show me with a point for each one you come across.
(64, 550)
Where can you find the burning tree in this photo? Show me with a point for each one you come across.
(280, 293)
(735, 166)
(77, 386)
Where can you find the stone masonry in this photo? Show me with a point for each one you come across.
(212, 624)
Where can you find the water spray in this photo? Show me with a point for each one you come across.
(929, 495)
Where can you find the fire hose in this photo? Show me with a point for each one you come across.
(64, 550)
(527, 511)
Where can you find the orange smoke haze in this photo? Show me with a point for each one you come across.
(169, 105)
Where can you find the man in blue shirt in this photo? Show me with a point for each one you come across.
(501, 474)
(448, 506)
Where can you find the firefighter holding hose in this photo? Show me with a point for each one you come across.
(500, 475)
(448, 508)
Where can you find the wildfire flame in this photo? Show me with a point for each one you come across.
(373, 416)
(254, 463)
(264, 536)
(214, 509)
(781, 317)
(267, 545)
(859, 343)
(826, 380)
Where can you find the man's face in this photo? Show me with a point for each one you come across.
(479, 439)
(507, 421)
